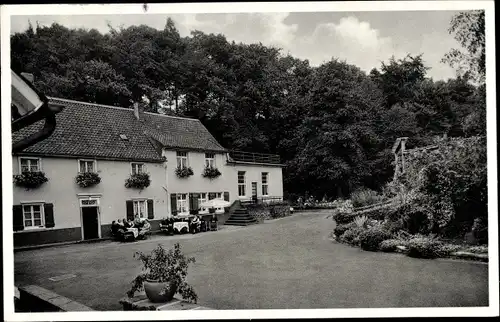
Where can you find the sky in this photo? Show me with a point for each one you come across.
(364, 39)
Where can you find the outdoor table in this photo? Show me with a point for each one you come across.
(181, 224)
(141, 303)
(135, 231)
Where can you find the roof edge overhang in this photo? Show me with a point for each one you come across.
(83, 156)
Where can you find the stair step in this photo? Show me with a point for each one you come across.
(240, 221)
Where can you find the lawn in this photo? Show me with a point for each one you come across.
(280, 264)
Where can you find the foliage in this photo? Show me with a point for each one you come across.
(184, 172)
(30, 179)
(480, 229)
(138, 181)
(332, 125)
(478, 249)
(165, 267)
(365, 197)
(211, 172)
(87, 179)
(469, 30)
(351, 236)
(361, 221)
(423, 247)
(339, 230)
(371, 238)
(390, 245)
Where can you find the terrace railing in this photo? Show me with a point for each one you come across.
(254, 157)
(260, 200)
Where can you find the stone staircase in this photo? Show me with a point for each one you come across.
(240, 217)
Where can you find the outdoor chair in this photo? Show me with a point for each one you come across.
(214, 225)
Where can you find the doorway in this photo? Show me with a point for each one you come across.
(254, 191)
(90, 218)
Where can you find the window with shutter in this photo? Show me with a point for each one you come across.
(33, 216)
(173, 203)
(150, 209)
(17, 219)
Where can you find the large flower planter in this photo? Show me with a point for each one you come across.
(159, 292)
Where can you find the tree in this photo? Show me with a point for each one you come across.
(469, 30)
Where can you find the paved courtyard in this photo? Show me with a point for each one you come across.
(281, 264)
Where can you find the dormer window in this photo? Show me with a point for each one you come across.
(182, 159)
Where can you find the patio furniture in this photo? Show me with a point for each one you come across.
(123, 235)
(181, 227)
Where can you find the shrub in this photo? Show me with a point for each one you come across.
(87, 179)
(211, 173)
(365, 197)
(30, 180)
(423, 247)
(361, 221)
(184, 172)
(370, 239)
(390, 245)
(480, 230)
(478, 249)
(343, 218)
(138, 181)
(339, 230)
(351, 236)
(444, 250)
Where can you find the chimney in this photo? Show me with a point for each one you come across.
(29, 77)
(138, 111)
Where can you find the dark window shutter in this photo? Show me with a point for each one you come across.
(130, 210)
(18, 219)
(173, 203)
(48, 209)
(226, 195)
(151, 213)
(195, 204)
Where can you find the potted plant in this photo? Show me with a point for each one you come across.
(163, 276)
(138, 181)
(211, 173)
(183, 172)
(30, 180)
(87, 179)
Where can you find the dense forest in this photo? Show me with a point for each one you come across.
(333, 125)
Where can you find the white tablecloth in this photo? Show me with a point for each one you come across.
(135, 231)
(181, 224)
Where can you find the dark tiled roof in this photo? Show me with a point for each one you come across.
(93, 130)
(177, 132)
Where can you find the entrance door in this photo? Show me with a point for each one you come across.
(90, 221)
(254, 191)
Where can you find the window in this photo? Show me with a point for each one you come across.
(182, 160)
(182, 205)
(265, 184)
(218, 195)
(86, 166)
(137, 168)
(33, 215)
(241, 183)
(202, 198)
(210, 160)
(30, 164)
(140, 208)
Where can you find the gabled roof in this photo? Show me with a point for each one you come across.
(94, 130)
(180, 133)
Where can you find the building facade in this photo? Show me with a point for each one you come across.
(115, 144)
